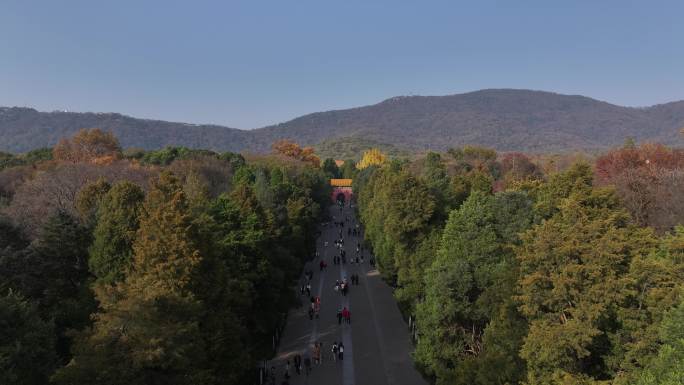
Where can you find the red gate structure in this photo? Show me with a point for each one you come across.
(342, 190)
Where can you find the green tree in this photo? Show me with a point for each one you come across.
(243, 244)
(348, 169)
(330, 168)
(668, 366)
(469, 284)
(88, 200)
(151, 321)
(654, 286)
(448, 195)
(236, 160)
(167, 155)
(55, 275)
(52, 273)
(573, 277)
(117, 223)
(412, 288)
(27, 343)
(397, 209)
(578, 178)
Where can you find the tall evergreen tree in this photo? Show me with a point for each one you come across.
(54, 273)
(468, 285)
(117, 224)
(150, 322)
(573, 279)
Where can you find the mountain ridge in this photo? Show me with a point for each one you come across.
(504, 119)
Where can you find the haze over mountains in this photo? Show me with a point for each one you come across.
(504, 119)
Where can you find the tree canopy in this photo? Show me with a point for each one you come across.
(518, 273)
(172, 266)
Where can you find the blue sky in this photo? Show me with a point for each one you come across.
(247, 64)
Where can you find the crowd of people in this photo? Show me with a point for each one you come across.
(302, 363)
(343, 314)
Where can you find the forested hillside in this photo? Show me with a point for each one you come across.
(504, 119)
(535, 270)
(174, 267)
(25, 129)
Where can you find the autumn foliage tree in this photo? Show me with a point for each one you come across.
(371, 157)
(516, 166)
(649, 180)
(293, 150)
(88, 145)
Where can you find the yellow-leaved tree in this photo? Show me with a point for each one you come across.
(371, 157)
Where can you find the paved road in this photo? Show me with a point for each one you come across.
(377, 345)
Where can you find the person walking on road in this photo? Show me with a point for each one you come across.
(317, 354)
(346, 314)
(341, 350)
(334, 351)
(339, 316)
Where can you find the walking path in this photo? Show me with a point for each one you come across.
(376, 344)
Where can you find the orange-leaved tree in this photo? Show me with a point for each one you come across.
(88, 145)
(293, 150)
